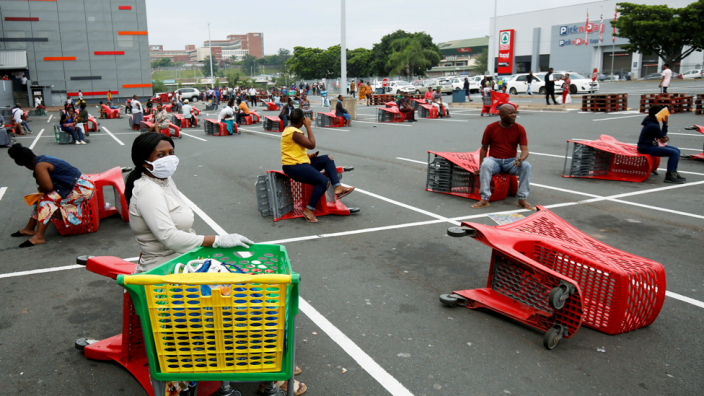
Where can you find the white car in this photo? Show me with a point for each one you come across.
(474, 84)
(192, 94)
(517, 84)
(579, 83)
(696, 73)
(397, 87)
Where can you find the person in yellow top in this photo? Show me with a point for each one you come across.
(305, 168)
(362, 91)
(242, 110)
(369, 94)
(109, 98)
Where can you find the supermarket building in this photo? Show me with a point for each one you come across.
(555, 38)
(63, 46)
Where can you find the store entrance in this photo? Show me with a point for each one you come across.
(621, 63)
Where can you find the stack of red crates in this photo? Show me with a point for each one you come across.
(605, 103)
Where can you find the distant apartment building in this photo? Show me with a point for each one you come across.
(158, 52)
(237, 45)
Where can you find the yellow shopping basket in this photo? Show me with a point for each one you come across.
(219, 327)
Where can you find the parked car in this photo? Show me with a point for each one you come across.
(422, 86)
(445, 85)
(397, 87)
(192, 94)
(474, 86)
(517, 84)
(579, 82)
(652, 76)
(695, 73)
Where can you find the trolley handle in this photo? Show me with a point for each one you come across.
(204, 279)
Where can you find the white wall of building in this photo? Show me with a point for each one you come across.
(524, 24)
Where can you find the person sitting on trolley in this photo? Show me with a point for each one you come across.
(342, 112)
(161, 119)
(305, 106)
(437, 102)
(305, 168)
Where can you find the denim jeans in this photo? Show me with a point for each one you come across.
(529, 91)
(492, 166)
(285, 120)
(310, 174)
(77, 133)
(667, 151)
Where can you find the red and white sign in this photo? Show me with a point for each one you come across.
(385, 82)
(595, 74)
(505, 65)
(466, 49)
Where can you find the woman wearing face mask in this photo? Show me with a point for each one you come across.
(159, 214)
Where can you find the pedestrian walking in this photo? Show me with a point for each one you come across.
(529, 80)
(550, 87)
(566, 83)
(466, 88)
(666, 77)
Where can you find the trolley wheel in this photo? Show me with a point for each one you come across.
(81, 343)
(87, 141)
(557, 298)
(83, 260)
(481, 114)
(459, 232)
(451, 300)
(553, 336)
(354, 210)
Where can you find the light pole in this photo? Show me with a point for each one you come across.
(343, 51)
(210, 46)
(493, 37)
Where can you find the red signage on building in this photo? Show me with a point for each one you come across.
(506, 51)
(466, 49)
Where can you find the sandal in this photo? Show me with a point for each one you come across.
(18, 234)
(311, 219)
(479, 207)
(346, 193)
(297, 370)
(530, 207)
(299, 388)
(26, 244)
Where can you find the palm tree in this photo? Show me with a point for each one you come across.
(409, 54)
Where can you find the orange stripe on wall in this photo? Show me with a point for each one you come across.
(136, 86)
(131, 33)
(59, 58)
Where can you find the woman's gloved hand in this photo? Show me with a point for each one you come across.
(231, 240)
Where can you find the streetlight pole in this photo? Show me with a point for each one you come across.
(343, 51)
(210, 46)
(493, 37)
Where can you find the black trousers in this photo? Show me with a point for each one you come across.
(550, 91)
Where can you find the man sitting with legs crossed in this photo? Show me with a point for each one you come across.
(501, 138)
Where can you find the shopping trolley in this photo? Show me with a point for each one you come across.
(206, 327)
(491, 104)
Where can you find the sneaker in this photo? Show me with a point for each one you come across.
(83, 142)
(677, 175)
(670, 178)
(78, 142)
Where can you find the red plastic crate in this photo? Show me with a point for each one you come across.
(453, 174)
(90, 219)
(609, 159)
(620, 291)
(328, 120)
(273, 124)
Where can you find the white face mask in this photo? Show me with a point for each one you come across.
(164, 167)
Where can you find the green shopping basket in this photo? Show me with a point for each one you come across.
(219, 327)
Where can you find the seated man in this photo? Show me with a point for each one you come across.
(38, 103)
(501, 138)
(404, 106)
(341, 112)
(305, 168)
(437, 102)
(286, 110)
(82, 117)
(242, 111)
(68, 124)
(161, 119)
(17, 117)
(650, 140)
(227, 116)
(186, 111)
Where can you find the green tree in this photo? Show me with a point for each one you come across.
(162, 62)
(661, 30)
(359, 63)
(249, 65)
(411, 58)
(311, 63)
(206, 67)
(158, 86)
(233, 79)
(382, 51)
(282, 56)
(482, 62)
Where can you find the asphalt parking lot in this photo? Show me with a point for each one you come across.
(371, 322)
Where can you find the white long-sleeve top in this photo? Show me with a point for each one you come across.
(161, 222)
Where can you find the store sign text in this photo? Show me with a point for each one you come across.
(579, 41)
(506, 38)
(577, 29)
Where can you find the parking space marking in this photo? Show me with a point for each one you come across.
(36, 139)
(384, 123)
(410, 160)
(2, 192)
(113, 136)
(40, 271)
(204, 216)
(194, 137)
(685, 134)
(685, 299)
(618, 118)
(278, 136)
(391, 384)
(47, 121)
(437, 119)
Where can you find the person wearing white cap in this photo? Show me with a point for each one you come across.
(186, 111)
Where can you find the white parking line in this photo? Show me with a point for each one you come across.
(685, 134)
(438, 119)
(2, 192)
(113, 136)
(194, 137)
(618, 118)
(272, 134)
(47, 121)
(36, 139)
(40, 271)
(385, 123)
(685, 299)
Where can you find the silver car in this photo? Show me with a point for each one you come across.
(398, 87)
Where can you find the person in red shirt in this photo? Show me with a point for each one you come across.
(499, 155)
